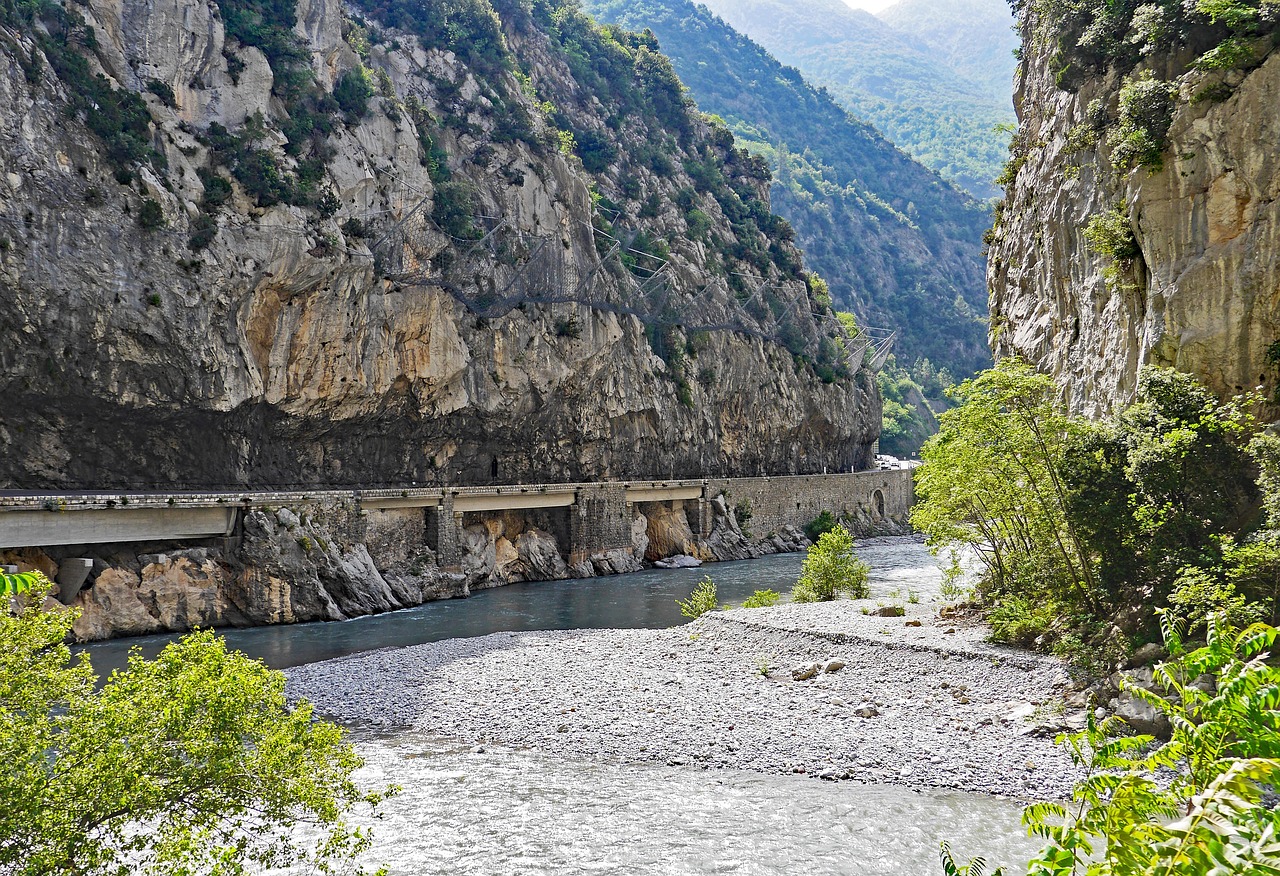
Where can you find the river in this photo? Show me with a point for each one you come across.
(504, 812)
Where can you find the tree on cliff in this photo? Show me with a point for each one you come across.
(190, 763)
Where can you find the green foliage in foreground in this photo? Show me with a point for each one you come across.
(701, 600)
(1192, 806)
(12, 585)
(191, 763)
(762, 599)
(1079, 524)
(831, 568)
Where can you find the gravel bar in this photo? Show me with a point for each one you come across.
(928, 706)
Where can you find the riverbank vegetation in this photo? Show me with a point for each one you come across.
(1161, 522)
(831, 568)
(1084, 528)
(189, 763)
(1196, 804)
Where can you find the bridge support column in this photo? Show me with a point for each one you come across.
(444, 533)
(700, 517)
(599, 521)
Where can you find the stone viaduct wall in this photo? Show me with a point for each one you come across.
(870, 499)
(146, 563)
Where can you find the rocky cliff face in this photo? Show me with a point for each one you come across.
(1141, 222)
(241, 246)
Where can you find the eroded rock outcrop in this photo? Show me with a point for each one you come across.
(279, 271)
(1119, 121)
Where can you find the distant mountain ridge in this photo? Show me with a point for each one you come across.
(897, 244)
(896, 72)
(974, 38)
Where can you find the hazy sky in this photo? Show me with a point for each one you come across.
(870, 5)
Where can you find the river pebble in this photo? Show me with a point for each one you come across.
(933, 709)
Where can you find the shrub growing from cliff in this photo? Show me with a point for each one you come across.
(190, 763)
(831, 568)
(1140, 137)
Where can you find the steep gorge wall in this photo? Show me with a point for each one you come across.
(290, 298)
(1188, 274)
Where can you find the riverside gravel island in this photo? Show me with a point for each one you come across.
(828, 690)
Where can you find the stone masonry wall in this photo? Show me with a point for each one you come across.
(795, 501)
(330, 559)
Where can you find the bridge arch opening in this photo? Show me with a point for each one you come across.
(877, 503)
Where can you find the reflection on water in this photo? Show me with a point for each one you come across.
(518, 812)
(640, 600)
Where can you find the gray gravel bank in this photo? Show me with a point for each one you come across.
(925, 706)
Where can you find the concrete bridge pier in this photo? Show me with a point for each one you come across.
(444, 533)
(599, 522)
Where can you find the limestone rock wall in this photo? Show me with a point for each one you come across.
(1203, 292)
(310, 344)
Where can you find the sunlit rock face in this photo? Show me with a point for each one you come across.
(312, 346)
(1203, 292)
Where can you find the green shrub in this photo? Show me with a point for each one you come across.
(762, 599)
(1019, 620)
(1193, 805)
(162, 91)
(352, 92)
(701, 600)
(193, 762)
(819, 526)
(1198, 593)
(217, 189)
(1146, 112)
(1110, 234)
(453, 208)
(203, 230)
(151, 216)
(699, 223)
(831, 568)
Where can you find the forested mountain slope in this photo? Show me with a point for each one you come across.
(976, 39)
(272, 242)
(888, 78)
(898, 245)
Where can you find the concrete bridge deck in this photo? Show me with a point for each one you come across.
(39, 519)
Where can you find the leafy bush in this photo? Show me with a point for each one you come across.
(1192, 806)
(1146, 112)
(819, 526)
(1019, 620)
(163, 91)
(151, 216)
(831, 568)
(701, 601)
(1110, 234)
(352, 92)
(190, 763)
(1198, 593)
(203, 231)
(453, 209)
(1081, 523)
(762, 599)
